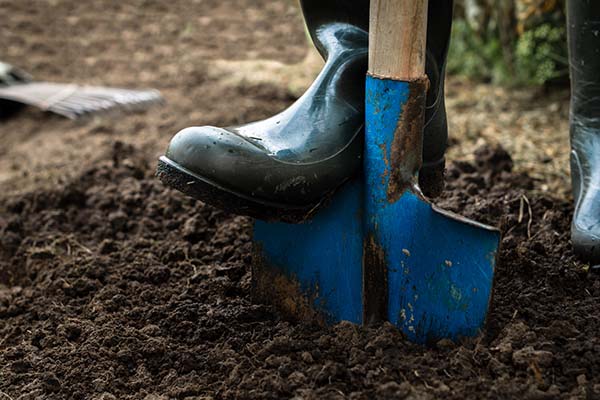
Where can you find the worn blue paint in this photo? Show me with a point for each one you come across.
(440, 267)
(324, 255)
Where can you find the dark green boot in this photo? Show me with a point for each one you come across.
(282, 168)
(583, 18)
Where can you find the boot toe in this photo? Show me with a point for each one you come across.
(196, 147)
(585, 175)
(586, 242)
(224, 159)
(215, 154)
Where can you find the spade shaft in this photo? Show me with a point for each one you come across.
(426, 270)
(393, 146)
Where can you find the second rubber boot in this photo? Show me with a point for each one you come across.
(583, 18)
(284, 167)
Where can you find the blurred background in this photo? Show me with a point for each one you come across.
(511, 42)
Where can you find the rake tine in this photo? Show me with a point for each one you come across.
(125, 99)
(66, 112)
(74, 100)
(85, 103)
(73, 105)
(89, 103)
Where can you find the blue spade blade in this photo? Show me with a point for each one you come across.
(380, 250)
(438, 266)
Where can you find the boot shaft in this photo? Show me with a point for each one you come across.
(356, 12)
(583, 21)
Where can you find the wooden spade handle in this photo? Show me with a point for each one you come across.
(397, 38)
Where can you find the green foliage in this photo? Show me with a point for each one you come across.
(541, 54)
(536, 56)
(475, 55)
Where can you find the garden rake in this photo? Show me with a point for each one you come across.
(17, 88)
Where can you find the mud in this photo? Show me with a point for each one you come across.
(114, 287)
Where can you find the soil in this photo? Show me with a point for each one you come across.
(115, 287)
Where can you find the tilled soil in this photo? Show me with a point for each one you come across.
(114, 287)
(118, 287)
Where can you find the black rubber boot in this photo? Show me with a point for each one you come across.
(583, 17)
(284, 167)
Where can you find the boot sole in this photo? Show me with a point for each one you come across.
(200, 188)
